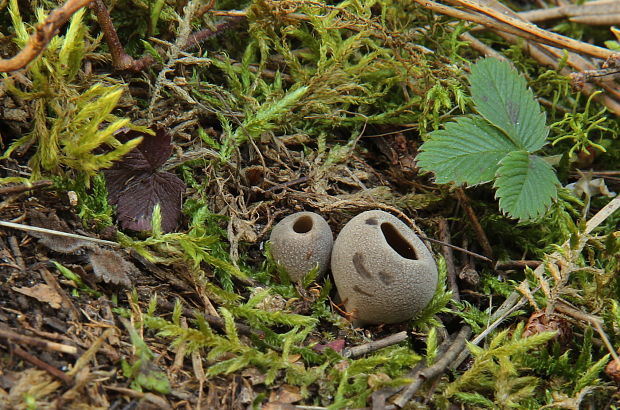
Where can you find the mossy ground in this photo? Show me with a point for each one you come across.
(295, 105)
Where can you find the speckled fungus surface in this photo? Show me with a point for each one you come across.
(383, 271)
(300, 242)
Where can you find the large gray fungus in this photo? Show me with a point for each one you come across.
(383, 271)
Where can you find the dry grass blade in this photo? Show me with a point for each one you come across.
(28, 228)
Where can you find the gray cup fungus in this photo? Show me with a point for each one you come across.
(300, 242)
(383, 271)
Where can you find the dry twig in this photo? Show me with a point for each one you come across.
(44, 32)
(16, 189)
(475, 223)
(375, 345)
(551, 56)
(42, 365)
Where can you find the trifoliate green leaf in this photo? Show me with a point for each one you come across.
(467, 150)
(525, 184)
(502, 97)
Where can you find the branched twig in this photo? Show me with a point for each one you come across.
(120, 59)
(44, 32)
(124, 62)
(419, 376)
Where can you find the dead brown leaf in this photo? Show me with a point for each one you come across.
(286, 394)
(43, 293)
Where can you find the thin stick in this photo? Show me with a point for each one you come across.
(29, 228)
(44, 32)
(213, 320)
(17, 189)
(458, 248)
(123, 61)
(375, 345)
(475, 223)
(42, 365)
(120, 59)
(44, 344)
(511, 304)
(515, 300)
(606, 341)
(550, 56)
(517, 264)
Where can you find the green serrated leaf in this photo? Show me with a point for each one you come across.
(467, 150)
(502, 97)
(526, 184)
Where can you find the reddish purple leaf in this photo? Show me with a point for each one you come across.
(117, 179)
(135, 186)
(136, 202)
(156, 148)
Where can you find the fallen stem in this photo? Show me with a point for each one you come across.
(375, 345)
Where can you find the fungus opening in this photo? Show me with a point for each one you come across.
(397, 242)
(303, 224)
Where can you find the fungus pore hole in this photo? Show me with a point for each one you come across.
(397, 242)
(303, 224)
